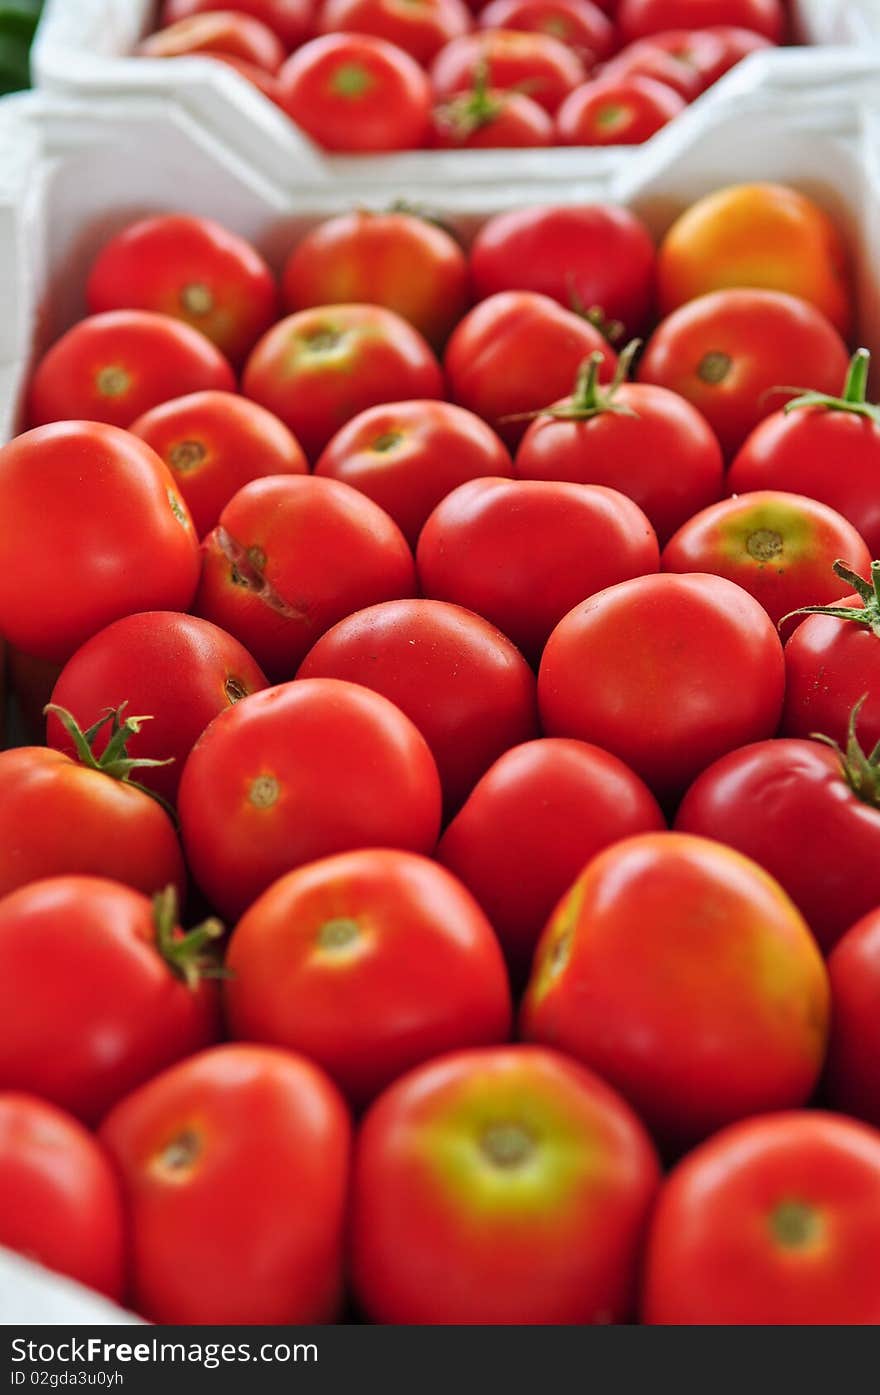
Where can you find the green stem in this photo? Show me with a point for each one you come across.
(589, 398)
(868, 614)
(853, 399)
(189, 955)
(114, 759)
(861, 771)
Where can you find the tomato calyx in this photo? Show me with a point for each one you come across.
(114, 760)
(860, 771)
(507, 1146)
(188, 954)
(589, 398)
(853, 399)
(868, 614)
(470, 111)
(796, 1225)
(611, 330)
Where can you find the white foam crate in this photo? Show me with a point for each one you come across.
(31, 1296)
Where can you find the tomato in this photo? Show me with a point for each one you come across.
(398, 260)
(590, 257)
(490, 119)
(729, 353)
(214, 443)
(59, 817)
(291, 556)
(369, 963)
(407, 456)
(623, 112)
(515, 352)
(258, 77)
(192, 269)
(779, 547)
(762, 235)
(522, 553)
(638, 17)
(290, 19)
(113, 367)
(319, 368)
(419, 27)
(501, 1185)
(260, 793)
(234, 1167)
(682, 974)
(647, 59)
(461, 683)
(852, 1078)
(736, 44)
(174, 670)
(703, 53)
(59, 1200)
(775, 1221)
(666, 672)
(578, 23)
(91, 528)
(531, 825)
(100, 990)
(354, 93)
(240, 36)
(792, 450)
(542, 66)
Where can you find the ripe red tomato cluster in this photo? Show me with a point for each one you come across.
(520, 719)
(366, 76)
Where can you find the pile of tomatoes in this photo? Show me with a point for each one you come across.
(365, 76)
(519, 717)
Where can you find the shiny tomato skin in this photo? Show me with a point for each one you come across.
(59, 818)
(85, 501)
(737, 43)
(369, 963)
(683, 975)
(830, 665)
(407, 456)
(351, 93)
(646, 59)
(459, 680)
(779, 547)
(291, 20)
(192, 269)
(666, 672)
(729, 351)
(113, 367)
(662, 454)
(637, 18)
(522, 553)
(214, 443)
(516, 352)
(260, 793)
(578, 23)
(260, 1138)
(852, 1076)
(177, 670)
(542, 66)
(419, 27)
(60, 1203)
(444, 1230)
(701, 52)
(775, 1221)
(290, 557)
(531, 825)
(398, 260)
(239, 36)
(90, 1008)
(319, 368)
(623, 111)
(786, 805)
(506, 120)
(586, 256)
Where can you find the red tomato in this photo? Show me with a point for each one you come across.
(291, 556)
(776, 1221)
(639, 17)
(531, 825)
(214, 443)
(779, 547)
(797, 809)
(623, 112)
(489, 119)
(590, 257)
(100, 990)
(266, 82)
(261, 790)
(222, 31)
(577, 23)
(791, 450)
(644, 441)
(514, 353)
(542, 66)
(666, 672)
(419, 27)
(461, 683)
(234, 1167)
(730, 351)
(853, 1075)
(682, 974)
(369, 963)
(176, 670)
(113, 367)
(651, 60)
(522, 553)
(398, 260)
(91, 528)
(319, 368)
(407, 456)
(192, 269)
(500, 1186)
(736, 44)
(59, 1200)
(357, 94)
(290, 19)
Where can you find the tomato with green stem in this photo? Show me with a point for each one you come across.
(489, 118)
(578, 23)
(544, 67)
(617, 111)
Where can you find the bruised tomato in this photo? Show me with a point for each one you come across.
(220, 31)
(290, 19)
(638, 17)
(490, 119)
(578, 23)
(852, 1077)
(622, 111)
(544, 67)
(419, 27)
